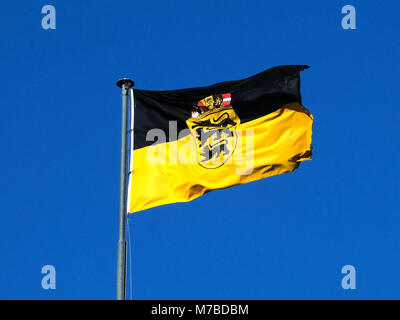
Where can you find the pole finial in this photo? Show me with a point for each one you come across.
(125, 82)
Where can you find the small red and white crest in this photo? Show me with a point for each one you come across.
(211, 103)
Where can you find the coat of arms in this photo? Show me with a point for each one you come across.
(213, 125)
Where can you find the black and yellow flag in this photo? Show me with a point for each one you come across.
(191, 141)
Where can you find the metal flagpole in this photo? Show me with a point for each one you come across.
(125, 85)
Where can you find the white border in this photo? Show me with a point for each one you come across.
(132, 115)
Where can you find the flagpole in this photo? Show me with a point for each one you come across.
(125, 85)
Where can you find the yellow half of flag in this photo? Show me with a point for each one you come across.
(219, 152)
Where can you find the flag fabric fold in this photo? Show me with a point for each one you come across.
(191, 141)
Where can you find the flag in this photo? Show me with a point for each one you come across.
(188, 142)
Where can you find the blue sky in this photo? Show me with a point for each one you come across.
(285, 237)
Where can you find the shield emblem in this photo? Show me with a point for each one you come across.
(215, 133)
